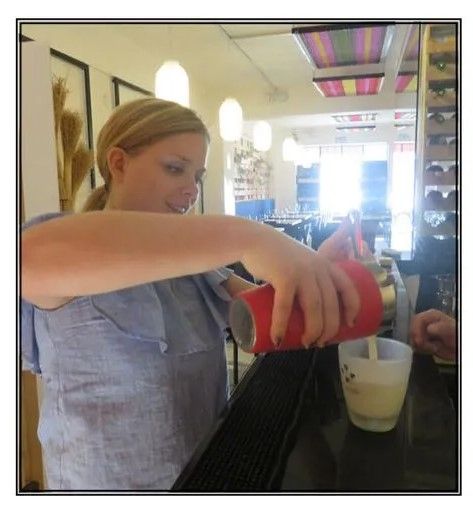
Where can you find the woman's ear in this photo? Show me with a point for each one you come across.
(116, 160)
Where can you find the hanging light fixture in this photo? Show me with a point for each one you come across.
(230, 120)
(172, 83)
(289, 149)
(262, 136)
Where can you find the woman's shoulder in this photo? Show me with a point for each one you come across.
(41, 218)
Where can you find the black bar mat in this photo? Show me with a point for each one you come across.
(250, 446)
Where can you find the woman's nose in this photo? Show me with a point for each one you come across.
(191, 190)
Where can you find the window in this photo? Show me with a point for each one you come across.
(402, 196)
(339, 182)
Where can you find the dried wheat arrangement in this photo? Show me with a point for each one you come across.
(74, 159)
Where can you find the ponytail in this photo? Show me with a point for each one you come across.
(96, 200)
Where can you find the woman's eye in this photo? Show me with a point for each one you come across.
(174, 169)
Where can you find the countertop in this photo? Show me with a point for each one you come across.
(286, 429)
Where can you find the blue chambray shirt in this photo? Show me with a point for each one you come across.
(132, 380)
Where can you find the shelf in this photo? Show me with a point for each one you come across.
(437, 47)
(446, 45)
(439, 205)
(444, 229)
(447, 74)
(446, 128)
(442, 109)
(441, 187)
(446, 178)
(435, 101)
(440, 152)
(439, 210)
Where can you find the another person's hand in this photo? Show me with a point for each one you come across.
(296, 271)
(434, 332)
(339, 247)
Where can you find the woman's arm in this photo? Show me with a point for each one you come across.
(104, 251)
(98, 252)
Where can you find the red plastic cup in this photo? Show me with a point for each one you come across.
(251, 313)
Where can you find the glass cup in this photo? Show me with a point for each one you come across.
(374, 389)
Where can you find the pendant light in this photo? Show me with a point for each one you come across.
(172, 83)
(289, 149)
(262, 136)
(230, 120)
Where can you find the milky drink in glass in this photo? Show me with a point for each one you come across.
(374, 388)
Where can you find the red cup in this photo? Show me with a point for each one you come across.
(251, 313)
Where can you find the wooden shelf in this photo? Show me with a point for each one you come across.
(446, 178)
(434, 100)
(442, 46)
(444, 229)
(446, 128)
(447, 74)
(443, 205)
(440, 152)
(442, 109)
(437, 45)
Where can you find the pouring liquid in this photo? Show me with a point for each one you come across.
(372, 348)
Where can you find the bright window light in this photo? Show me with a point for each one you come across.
(339, 183)
(402, 199)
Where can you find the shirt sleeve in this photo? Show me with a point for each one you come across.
(215, 278)
(29, 346)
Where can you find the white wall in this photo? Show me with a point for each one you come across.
(284, 189)
(83, 43)
(38, 153)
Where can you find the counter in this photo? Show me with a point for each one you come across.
(286, 429)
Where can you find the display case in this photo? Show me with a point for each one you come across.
(252, 172)
(437, 166)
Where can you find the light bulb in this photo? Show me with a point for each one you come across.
(172, 83)
(230, 120)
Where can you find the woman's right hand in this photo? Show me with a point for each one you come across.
(296, 271)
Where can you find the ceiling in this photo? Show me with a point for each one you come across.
(265, 62)
(352, 60)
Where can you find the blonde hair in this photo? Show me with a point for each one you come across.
(134, 126)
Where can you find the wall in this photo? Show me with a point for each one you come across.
(284, 174)
(39, 185)
(38, 154)
(83, 43)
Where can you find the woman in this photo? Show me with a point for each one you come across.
(124, 306)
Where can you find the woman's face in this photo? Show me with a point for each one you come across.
(162, 177)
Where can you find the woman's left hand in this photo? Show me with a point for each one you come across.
(339, 247)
